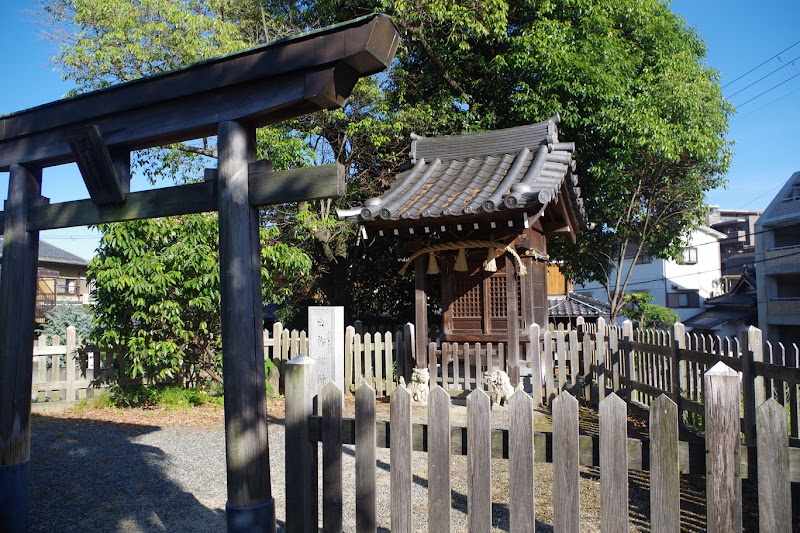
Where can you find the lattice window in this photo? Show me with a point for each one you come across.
(497, 296)
(467, 303)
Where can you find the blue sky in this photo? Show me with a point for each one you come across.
(739, 36)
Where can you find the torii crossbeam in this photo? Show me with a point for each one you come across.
(229, 97)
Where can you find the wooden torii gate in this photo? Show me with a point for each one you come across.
(229, 97)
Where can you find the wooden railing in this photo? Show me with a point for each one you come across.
(613, 452)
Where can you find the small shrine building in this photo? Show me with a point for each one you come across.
(478, 210)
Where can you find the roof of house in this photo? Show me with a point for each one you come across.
(576, 305)
(714, 317)
(53, 254)
(521, 169)
(785, 207)
(742, 295)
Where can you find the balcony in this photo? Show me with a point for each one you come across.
(783, 311)
(784, 260)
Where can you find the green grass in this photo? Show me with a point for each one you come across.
(154, 396)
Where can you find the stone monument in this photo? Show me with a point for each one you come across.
(326, 344)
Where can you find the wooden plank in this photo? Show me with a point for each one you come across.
(263, 84)
(774, 488)
(358, 373)
(438, 461)
(331, 402)
(588, 352)
(536, 364)
(512, 319)
(446, 351)
(777, 372)
(614, 354)
(97, 167)
(561, 350)
(309, 183)
(600, 351)
(368, 352)
(613, 465)
(520, 465)
(301, 452)
(710, 359)
(479, 462)
(349, 358)
(723, 486)
(456, 364)
(421, 312)
(648, 347)
(547, 358)
(365, 460)
(17, 312)
(400, 461)
(390, 356)
(467, 368)
(70, 359)
(566, 499)
(752, 385)
(573, 358)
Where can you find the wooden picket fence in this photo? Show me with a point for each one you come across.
(376, 355)
(663, 455)
(66, 371)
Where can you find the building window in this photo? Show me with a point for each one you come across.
(683, 299)
(689, 256)
(66, 286)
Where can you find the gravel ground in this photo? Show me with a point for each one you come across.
(140, 471)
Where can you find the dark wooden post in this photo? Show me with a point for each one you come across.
(17, 313)
(302, 468)
(421, 311)
(250, 506)
(512, 320)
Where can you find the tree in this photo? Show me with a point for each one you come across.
(157, 293)
(626, 76)
(645, 314)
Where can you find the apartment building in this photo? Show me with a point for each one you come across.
(777, 258)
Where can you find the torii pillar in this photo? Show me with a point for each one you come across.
(17, 313)
(250, 505)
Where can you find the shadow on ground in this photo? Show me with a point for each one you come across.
(89, 475)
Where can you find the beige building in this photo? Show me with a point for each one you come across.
(61, 279)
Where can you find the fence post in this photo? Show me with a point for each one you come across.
(678, 344)
(69, 360)
(627, 354)
(409, 351)
(301, 453)
(536, 362)
(752, 388)
(723, 483)
(600, 355)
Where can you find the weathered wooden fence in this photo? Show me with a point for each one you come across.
(663, 455)
(376, 356)
(66, 371)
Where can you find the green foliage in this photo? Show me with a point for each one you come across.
(645, 314)
(157, 292)
(59, 318)
(168, 397)
(627, 78)
(269, 368)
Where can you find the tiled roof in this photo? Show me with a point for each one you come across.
(521, 168)
(714, 317)
(576, 305)
(54, 254)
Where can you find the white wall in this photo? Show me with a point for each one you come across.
(660, 277)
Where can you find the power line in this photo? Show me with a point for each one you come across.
(765, 105)
(768, 90)
(760, 64)
(764, 77)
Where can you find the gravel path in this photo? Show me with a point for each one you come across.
(144, 471)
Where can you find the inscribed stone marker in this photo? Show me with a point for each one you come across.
(326, 344)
